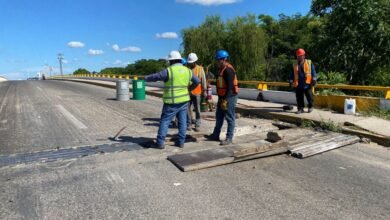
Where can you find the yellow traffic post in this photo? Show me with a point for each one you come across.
(262, 86)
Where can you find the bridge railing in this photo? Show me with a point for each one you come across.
(260, 85)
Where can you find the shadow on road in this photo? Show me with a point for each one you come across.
(143, 141)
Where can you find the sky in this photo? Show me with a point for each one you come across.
(95, 34)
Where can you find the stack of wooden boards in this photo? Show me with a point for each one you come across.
(297, 142)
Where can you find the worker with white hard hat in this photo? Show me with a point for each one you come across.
(196, 93)
(177, 83)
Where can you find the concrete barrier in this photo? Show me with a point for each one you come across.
(385, 104)
(334, 102)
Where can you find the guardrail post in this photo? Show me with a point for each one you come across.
(262, 86)
(387, 94)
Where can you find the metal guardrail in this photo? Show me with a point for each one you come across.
(261, 85)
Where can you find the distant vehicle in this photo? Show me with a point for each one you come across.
(33, 78)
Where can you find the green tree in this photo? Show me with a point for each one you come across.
(143, 67)
(81, 71)
(246, 43)
(284, 36)
(205, 39)
(113, 70)
(356, 36)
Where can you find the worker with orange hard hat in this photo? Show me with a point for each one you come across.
(303, 78)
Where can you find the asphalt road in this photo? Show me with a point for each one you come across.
(352, 182)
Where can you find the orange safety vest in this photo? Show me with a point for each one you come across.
(221, 84)
(306, 70)
(197, 71)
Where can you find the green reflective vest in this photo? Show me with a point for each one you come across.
(176, 88)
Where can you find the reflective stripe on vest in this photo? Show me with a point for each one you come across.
(306, 70)
(176, 88)
(198, 72)
(221, 84)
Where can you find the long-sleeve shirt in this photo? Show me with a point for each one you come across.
(163, 76)
(302, 77)
(228, 76)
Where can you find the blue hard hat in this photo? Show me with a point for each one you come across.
(183, 61)
(221, 54)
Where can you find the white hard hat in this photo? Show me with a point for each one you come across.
(192, 58)
(174, 55)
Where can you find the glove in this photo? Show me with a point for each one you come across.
(224, 105)
(313, 82)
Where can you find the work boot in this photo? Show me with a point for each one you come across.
(212, 137)
(197, 129)
(300, 111)
(157, 146)
(310, 110)
(226, 142)
(180, 145)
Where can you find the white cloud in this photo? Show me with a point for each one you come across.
(65, 61)
(208, 2)
(76, 44)
(167, 35)
(131, 49)
(93, 52)
(116, 48)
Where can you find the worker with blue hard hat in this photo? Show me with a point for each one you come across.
(184, 61)
(227, 90)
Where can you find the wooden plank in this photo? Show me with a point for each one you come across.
(338, 139)
(313, 142)
(203, 159)
(385, 141)
(326, 147)
(277, 151)
(245, 151)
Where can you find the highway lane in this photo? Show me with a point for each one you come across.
(41, 115)
(348, 183)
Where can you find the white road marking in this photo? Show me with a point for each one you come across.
(39, 88)
(71, 118)
(117, 178)
(114, 178)
(3, 102)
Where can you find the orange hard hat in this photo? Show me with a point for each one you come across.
(300, 52)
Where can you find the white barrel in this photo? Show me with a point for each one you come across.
(349, 106)
(122, 90)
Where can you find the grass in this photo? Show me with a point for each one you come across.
(380, 113)
(324, 125)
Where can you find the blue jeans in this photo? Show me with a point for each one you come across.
(229, 115)
(169, 111)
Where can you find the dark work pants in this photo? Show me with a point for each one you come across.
(300, 93)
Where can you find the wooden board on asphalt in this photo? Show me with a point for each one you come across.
(202, 159)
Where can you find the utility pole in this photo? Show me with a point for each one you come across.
(60, 58)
